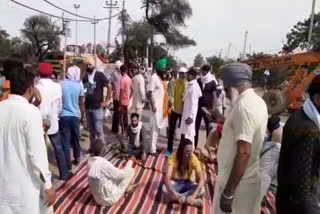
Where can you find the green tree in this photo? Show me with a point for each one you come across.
(5, 43)
(100, 50)
(9, 46)
(167, 17)
(117, 53)
(217, 62)
(43, 35)
(298, 36)
(137, 35)
(198, 61)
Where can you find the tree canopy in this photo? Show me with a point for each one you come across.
(198, 61)
(216, 62)
(167, 17)
(43, 35)
(9, 45)
(298, 36)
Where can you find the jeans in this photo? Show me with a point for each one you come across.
(133, 151)
(95, 120)
(61, 151)
(199, 117)
(184, 188)
(116, 117)
(70, 132)
(172, 128)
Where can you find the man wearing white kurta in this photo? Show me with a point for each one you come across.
(157, 120)
(238, 185)
(158, 95)
(23, 157)
(138, 93)
(107, 183)
(190, 106)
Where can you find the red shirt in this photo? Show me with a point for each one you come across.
(125, 90)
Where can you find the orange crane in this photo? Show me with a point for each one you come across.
(290, 94)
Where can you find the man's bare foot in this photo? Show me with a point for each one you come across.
(131, 188)
(196, 203)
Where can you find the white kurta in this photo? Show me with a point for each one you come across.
(138, 93)
(246, 121)
(51, 104)
(157, 120)
(190, 109)
(108, 183)
(156, 87)
(23, 157)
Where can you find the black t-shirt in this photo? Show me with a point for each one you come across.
(94, 94)
(207, 94)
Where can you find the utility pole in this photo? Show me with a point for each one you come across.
(76, 6)
(94, 22)
(311, 23)
(123, 25)
(229, 47)
(245, 44)
(64, 24)
(110, 5)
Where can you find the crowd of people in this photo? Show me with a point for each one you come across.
(253, 153)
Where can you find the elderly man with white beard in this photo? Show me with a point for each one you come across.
(238, 185)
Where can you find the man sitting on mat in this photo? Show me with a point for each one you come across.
(178, 185)
(136, 138)
(208, 154)
(108, 183)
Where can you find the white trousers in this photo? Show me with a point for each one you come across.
(247, 198)
(154, 135)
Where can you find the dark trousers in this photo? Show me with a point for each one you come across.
(124, 118)
(70, 132)
(61, 151)
(201, 115)
(116, 117)
(172, 128)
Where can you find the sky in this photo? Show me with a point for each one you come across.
(214, 25)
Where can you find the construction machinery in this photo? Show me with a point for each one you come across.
(290, 75)
(57, 62)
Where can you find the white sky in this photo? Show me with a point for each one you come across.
(214, 24)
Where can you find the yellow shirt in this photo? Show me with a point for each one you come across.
(194, 165)
(179, 88)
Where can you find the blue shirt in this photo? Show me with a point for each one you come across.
(71, 92)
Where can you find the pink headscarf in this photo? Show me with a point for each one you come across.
(74, 73)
